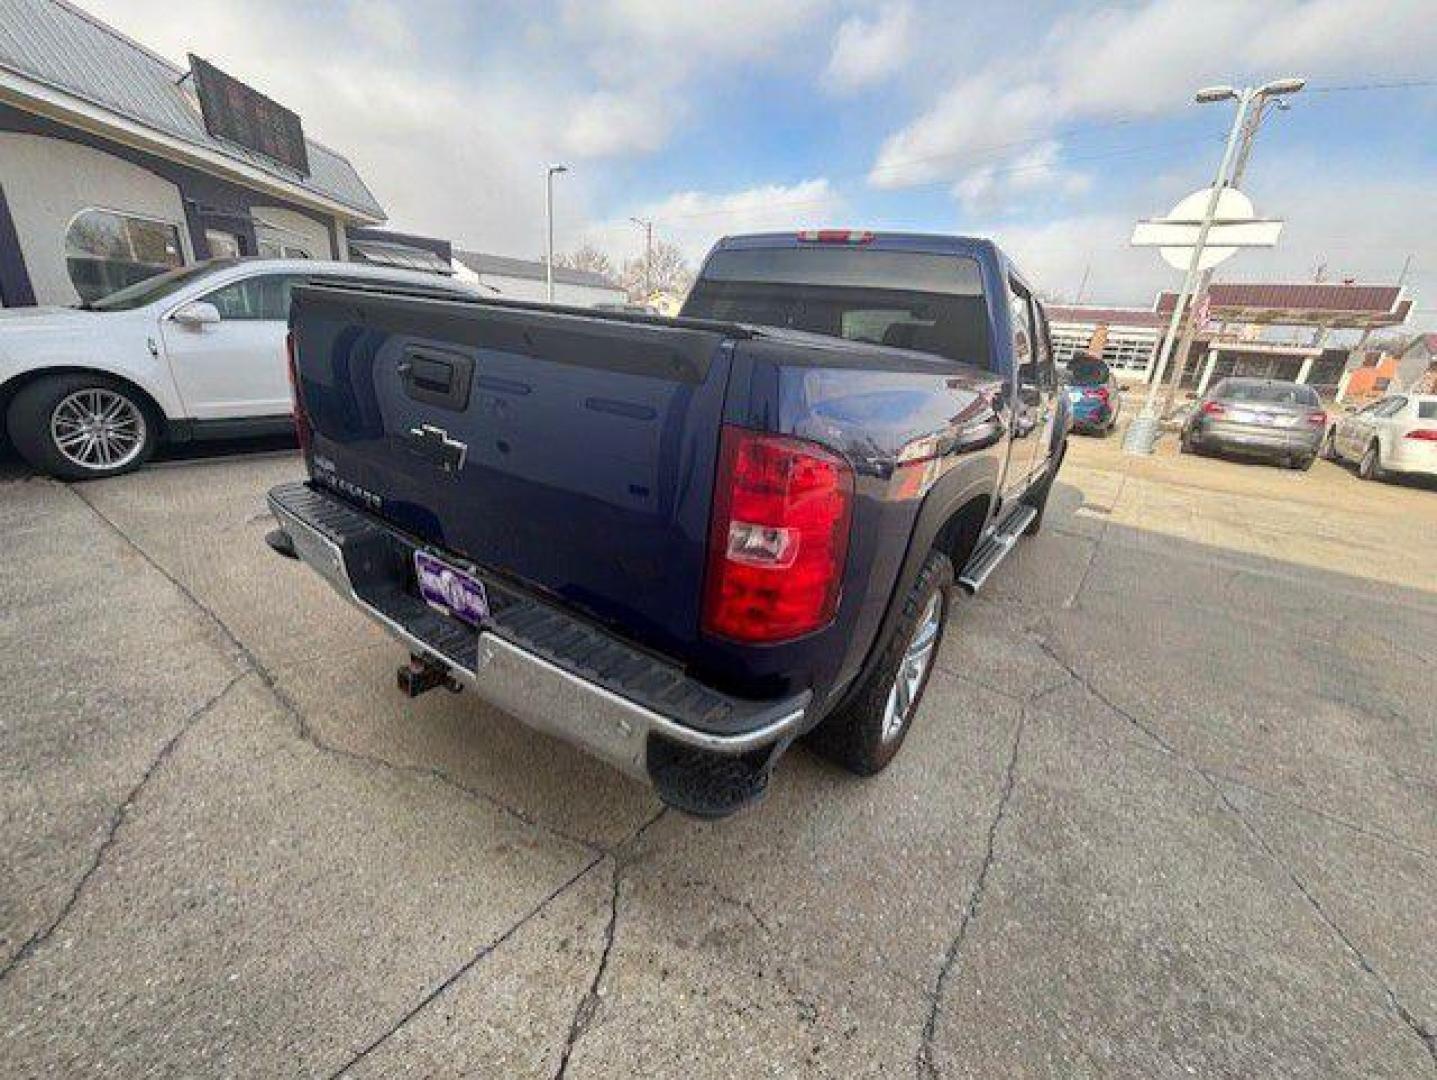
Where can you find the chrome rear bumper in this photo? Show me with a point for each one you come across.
(544, 692)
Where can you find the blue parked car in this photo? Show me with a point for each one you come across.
(1094, 395)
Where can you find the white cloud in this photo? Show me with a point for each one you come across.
(1119, 62)
(607, 123)
(867, 51)
(695, 219)
(987, 187)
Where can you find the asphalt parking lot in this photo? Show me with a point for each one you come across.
(1170, 809)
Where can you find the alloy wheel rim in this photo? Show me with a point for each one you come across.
(913, 669)
(98, 429)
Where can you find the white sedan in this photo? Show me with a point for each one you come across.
(197, 352)
(1395, 435)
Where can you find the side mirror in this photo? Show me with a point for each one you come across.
(197, 314)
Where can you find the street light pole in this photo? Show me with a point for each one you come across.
(549, 226)
(1142, 433)
(1264, 97)
(648, 227)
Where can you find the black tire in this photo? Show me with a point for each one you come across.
(853, 736)
(1328, 450)
(1185, 444)
(1037, 496)
(1370, 467)
(1303, 464)
(31, 412)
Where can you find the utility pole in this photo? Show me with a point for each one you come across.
(1406, 268)
(1083, 285)
(1190, 327)
(549, 226)
(648, 227)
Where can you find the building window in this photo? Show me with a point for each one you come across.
(278, 249)
(106, 251)
(223, 245)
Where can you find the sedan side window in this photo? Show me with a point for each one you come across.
(258, 298)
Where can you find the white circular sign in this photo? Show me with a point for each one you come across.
(1231, 204)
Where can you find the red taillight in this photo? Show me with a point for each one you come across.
(1101, 393)
(1213, 408)
(1425, 434)
(778, 538)
(835, 236)
(302, 427)
(1317, 419)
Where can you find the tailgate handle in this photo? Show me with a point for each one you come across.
(436, 377)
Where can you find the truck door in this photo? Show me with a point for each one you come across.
(1047, 387)
(1028, 403)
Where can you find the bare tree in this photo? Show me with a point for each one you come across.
(587, 257)
(666, 270)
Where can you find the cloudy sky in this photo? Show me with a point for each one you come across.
(1049, 126)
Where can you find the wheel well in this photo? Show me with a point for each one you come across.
(959, 534)
(24, 379)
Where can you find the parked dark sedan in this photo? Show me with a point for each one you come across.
(1267, 418)
(1094, 395)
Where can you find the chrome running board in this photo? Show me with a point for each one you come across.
(994, 548)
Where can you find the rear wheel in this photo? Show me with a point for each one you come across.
(81, 427)
(1370, 467)
(865, 733)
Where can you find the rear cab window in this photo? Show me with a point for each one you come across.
(911, 300)
(1084, 371)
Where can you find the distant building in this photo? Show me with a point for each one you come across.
(1417, 366)
(1132, 336)
(523, 279)
(111, 169)
(1230, 343)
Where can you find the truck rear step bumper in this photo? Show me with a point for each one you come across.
(705, 752)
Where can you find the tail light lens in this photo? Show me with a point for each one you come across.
(1317, 419)
(303, 430)
(1213, 408)
(1101, 393)
(1424, 434)
(778, 539)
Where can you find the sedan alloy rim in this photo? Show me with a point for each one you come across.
(98, 429)
(912, 669)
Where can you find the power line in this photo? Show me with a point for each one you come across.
(1397, 84)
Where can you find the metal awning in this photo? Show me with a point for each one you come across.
(386, 253)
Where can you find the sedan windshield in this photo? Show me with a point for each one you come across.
(156, 288)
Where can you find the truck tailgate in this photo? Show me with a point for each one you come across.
(571, 453)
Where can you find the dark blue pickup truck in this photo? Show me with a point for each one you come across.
(682, 543)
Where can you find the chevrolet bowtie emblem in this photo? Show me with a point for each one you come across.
(434, 445)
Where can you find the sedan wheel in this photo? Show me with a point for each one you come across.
(98, 429)
(1370, 467)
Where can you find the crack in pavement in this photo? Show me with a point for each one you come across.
(925, 1064)
(1211, 779)
(117, 819)
(588, 1006)
(468, 966)
(292, 709)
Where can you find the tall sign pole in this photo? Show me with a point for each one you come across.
(1142, 433)
(1193, 324)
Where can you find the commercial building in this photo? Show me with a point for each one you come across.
(523, 279)
(1235, 339)
(116, 164)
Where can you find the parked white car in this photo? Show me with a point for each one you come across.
(1395, 435)
(197, 352)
